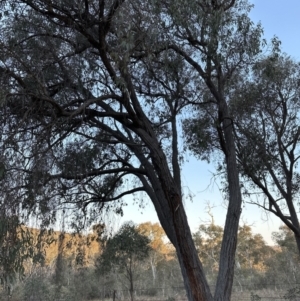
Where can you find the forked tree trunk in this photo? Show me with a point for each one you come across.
(169, 207)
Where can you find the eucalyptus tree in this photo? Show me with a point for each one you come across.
(160, 249)
(124, 253)
(284, 266)
(208, 240)
(266, 109)
(217, 40)
(252, 255)
(92, 93)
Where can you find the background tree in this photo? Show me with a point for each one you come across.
(252, 257)
(250, 249)
(263, 270)
(124, 253)
(208, 240)
(266, 109)
(287, 257)
(160, 249)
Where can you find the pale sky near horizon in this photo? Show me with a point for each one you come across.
(280, 18)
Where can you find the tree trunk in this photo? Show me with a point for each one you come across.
(195, 283)
(174, 221)
(193, 275)
(131, 290)
(229, 242)
(293, 213)
(153, 268)
(189, 260)
(167, 200)
(165, 194)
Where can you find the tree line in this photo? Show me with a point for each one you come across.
(138, 262)
(95, 96)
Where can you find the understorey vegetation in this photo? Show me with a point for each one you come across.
(138, 262)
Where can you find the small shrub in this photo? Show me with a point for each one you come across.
(36, 289)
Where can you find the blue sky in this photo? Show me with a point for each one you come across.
(280, 18)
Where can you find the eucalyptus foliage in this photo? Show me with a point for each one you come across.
(17, 246)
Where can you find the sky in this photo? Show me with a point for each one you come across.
(280, 18)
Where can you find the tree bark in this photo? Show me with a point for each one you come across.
(169, 208)
(229, 242)
(193, 275)
(173, 219)
(294, 219)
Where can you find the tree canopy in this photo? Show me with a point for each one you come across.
(269, 157)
